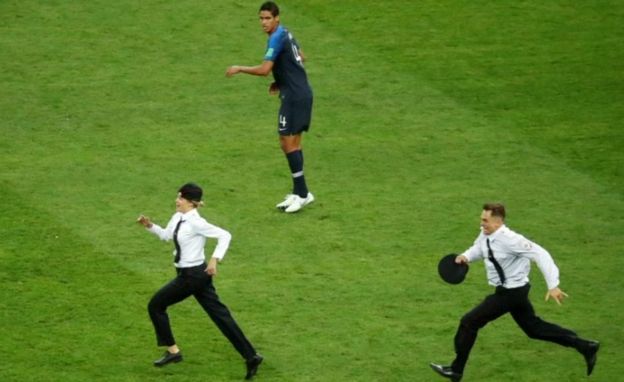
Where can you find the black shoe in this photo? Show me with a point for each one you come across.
(590, 352)
(446, 372)
(167, 358)
(252, 365)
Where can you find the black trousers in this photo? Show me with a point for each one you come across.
(514, 301)
(195, 281)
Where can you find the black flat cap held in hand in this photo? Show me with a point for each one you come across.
(450, 271)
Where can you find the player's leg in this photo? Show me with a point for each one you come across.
(287, 144)
(294, 120)
(494, 306)
(170, 294)
(536, 328)
(301, 196)
(290, 143)
(291, 146)
(207, 297)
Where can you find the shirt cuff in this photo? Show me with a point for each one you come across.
(218, 256)
(552, 284)
(466, 254)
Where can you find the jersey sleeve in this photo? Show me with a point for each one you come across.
(274, 46)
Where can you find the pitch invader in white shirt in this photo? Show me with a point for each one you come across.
(189, 232)
(507, 256)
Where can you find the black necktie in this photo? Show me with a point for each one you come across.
(175, 242)
(499, 269)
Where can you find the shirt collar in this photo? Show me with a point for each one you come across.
(496, 233)
(277, 30)
(190, 214)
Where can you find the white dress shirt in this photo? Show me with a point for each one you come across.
(513, 252)
(192, 236)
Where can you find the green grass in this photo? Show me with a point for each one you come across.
(422, 112)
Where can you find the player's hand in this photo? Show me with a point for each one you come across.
(145, 221)
(232, 70)
(273, 88)
(461, 259)
(557, 294)
(212, 267)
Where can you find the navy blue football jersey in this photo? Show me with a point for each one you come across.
(288, 70)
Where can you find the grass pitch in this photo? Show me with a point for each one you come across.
(422, 112)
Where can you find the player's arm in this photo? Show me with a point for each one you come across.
(164, 234)
(471, 254)
(259, 70)
(274, 47)
(546, 264)
(534, 252)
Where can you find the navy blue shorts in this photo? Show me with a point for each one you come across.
(294, 116)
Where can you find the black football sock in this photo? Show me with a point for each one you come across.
(295, 162)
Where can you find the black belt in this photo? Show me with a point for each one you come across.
(184, 271)
(502, 289)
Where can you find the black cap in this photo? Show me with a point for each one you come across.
(450, 271)
(191, 192)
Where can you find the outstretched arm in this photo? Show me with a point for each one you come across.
(471, 254)
(259, 70)
(163, 233)
(145, 221)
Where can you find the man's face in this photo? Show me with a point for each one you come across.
(268, 22)
(490, 223)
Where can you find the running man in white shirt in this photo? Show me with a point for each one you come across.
(507, 257)
(189, 231)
